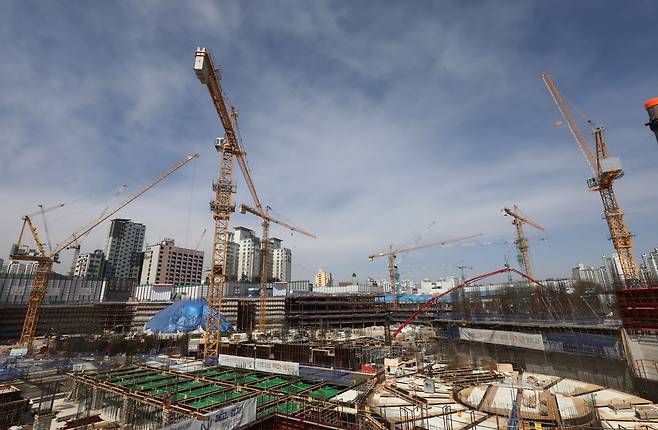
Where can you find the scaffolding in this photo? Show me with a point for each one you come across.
(147, 397)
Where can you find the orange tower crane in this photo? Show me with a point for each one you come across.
(521, 239)
(605, 170)
(222, 206)
(392, 263)
(46, 260)
(267, 219)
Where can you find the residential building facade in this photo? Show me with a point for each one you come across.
(323, 279)
(123, 245)
(90, 265)
(282, 264)
(165, 263)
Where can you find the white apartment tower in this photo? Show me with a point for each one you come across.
(244, 256)
(124, 243)
(650, 265)
(165, 263)
(280, 261)
(248, 254)
(90, 265)
(613, 269)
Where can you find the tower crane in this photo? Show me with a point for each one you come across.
(267, 219)
(46, 260)
(521, 239)
(222, 206)
(392, 256)
(605, 170)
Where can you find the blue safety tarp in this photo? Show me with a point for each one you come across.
(183, 317)
(405, 298)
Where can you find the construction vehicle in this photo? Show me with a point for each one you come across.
(222, 206)
(392, 257)
(521, 239)
(605, 170)
(45, 260)
(267, 219)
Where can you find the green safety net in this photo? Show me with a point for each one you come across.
(294, 388)
(269, 383)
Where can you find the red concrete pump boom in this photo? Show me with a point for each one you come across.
(436, 298)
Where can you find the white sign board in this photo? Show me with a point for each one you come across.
(228, 418)
(259, 364)
(18, 352)
(500, 337)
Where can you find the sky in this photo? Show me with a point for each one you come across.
(363, 123)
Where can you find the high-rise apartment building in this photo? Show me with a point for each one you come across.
(323, 279)
(592, 274)
(165, 263)
(249, 258)
(244, 255)
(613, 270)
(282, 264)
(231, 263)
(123, 249)
(650, 266)
(279, 261)
(90, 265)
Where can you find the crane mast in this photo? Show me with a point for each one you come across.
(45, 261)
(521, 239)
(222, 206)
(605, 171)
(391, 254)
(267, 219)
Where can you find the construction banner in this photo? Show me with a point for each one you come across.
(260, 364)
(228, 418)
(231, 417)
(500, 337)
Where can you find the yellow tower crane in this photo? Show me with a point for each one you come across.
(267, 219)
(46, 260)
(222, 206)
(605, 170)
(521, 239)
(392, 256)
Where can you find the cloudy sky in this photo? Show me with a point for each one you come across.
(363, 122)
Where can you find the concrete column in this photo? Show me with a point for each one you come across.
(126, 413)
(43, 421)
(166, 416)
(96, 396)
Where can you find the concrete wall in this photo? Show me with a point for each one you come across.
(642, 352)
(597, 370)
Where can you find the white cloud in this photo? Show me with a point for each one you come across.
(362, 132)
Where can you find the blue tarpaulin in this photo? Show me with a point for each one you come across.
(183, 317)
(406, 298)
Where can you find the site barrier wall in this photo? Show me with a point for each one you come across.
(567, 342)
(15, 290)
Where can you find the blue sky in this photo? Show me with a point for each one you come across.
(363, 122)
